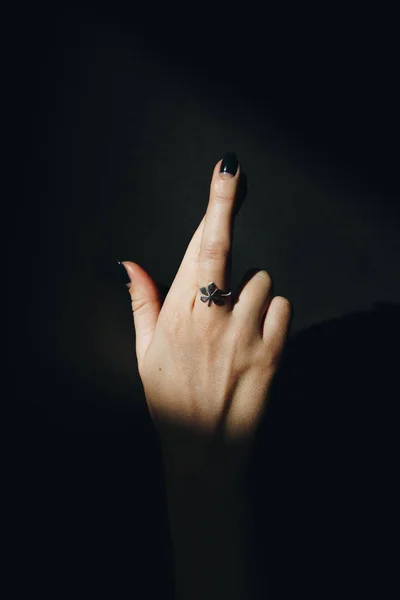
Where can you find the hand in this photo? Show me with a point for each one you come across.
(206, 370)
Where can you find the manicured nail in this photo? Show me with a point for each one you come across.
(123, 275)
(229, 165)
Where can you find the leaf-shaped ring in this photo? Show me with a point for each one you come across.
(213, 294)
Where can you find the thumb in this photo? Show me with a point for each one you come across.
(146, 305)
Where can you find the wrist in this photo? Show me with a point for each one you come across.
(213, 470)
(211, 529)
(204, 482)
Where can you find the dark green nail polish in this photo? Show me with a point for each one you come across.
(123, 275)
(229, 163)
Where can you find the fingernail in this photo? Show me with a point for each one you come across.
(123, 275)
(229, 165)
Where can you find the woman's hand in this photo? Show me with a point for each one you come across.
(206, 370)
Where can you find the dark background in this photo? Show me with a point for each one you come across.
(114, 117)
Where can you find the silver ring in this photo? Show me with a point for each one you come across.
(213, 294)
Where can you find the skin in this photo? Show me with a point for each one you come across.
(206, 372)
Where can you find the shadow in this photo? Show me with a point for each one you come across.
(322, 478)
(86, 487)
(324, 463)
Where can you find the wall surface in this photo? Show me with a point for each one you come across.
(116, 116)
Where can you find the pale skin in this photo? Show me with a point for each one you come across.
(206, 371)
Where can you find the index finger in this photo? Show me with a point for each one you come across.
(186, 277)
(216, 241)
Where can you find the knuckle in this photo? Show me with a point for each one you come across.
(284, 305)
(223, 196)
(214, 249)
(208, 333)
(267, 355)
(205, 329)
(138, 303)
(221, 191)
(175, 322)
(266, 277)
